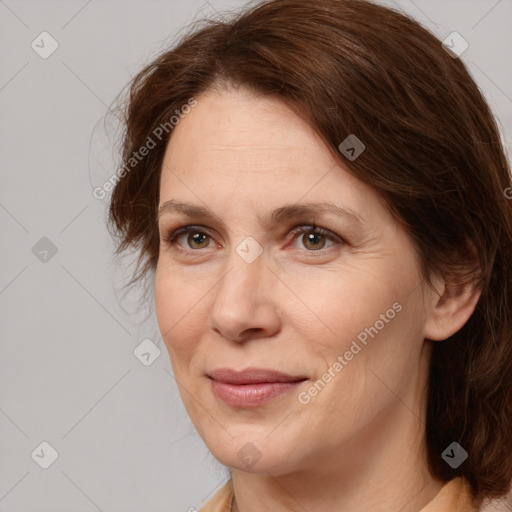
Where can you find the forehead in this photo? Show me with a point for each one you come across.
(239, 126)
(239, 146)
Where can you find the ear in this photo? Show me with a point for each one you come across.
(450, 309)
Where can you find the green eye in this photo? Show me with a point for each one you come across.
(315, 238)
(197, 238)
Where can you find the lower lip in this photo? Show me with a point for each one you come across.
(251, 395)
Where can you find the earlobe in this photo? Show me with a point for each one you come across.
(451, 308)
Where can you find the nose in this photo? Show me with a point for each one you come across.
(245, 301)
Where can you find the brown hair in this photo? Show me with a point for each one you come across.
(433, 151)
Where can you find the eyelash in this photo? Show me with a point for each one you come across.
(307, 228)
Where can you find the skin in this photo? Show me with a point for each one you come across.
(359, 444)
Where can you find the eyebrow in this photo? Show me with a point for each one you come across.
(278, 215)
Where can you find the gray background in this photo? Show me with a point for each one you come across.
(68, 374)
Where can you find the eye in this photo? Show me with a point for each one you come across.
(314, 238)
(195, 239)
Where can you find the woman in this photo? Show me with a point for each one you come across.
(317, 190)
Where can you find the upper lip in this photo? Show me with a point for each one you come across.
(252, 376)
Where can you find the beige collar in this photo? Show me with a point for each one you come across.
(453, 497)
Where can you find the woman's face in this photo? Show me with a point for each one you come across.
(341, 307)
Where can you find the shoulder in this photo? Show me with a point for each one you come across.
(454, 496)
(221, 500)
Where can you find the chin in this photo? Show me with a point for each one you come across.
(258, 454)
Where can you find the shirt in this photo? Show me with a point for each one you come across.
(453, 497)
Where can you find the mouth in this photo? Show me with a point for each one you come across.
(251, 387)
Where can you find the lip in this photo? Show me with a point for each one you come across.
(252, 376)
(251, 387)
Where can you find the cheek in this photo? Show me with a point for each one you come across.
(368, 315)
(336, 307)
(178, 315)
(377, 356)
(165, 304)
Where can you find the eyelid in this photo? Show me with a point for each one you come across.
(313, 228)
